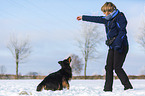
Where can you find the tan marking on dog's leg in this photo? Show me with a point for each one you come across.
(65, 84)
(42, 88)
(58, 87)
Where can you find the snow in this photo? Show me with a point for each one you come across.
(77, 88)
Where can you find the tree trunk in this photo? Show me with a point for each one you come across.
(85, 69)
(17, 63)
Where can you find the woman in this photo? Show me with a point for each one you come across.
(115, 23)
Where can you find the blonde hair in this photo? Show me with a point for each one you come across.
(109, 7)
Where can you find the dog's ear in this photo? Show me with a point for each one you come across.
(69, 59)
(59, 62)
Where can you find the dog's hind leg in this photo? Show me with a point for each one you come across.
(53, 87)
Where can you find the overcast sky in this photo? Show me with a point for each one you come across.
(52, 27)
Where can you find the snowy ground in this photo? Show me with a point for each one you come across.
(77, 88)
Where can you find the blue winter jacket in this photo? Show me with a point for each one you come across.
(115, 27)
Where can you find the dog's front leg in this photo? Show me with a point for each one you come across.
(67, 86)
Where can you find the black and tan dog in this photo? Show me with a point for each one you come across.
(59, 79)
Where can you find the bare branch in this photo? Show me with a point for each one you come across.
(141, 37)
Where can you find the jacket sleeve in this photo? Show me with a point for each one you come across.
(95, 19)
(121, 24)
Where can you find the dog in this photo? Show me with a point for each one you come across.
(58, 80)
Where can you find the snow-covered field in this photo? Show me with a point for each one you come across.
(77, 88)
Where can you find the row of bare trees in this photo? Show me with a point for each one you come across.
(90, 39)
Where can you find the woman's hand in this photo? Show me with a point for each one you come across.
(79, 18)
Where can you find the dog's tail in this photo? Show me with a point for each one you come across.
(40, 86)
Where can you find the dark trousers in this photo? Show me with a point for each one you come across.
(115, 62)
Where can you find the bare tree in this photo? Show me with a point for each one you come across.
(89, 42)
(141, 37)
(76, 64)
(20, 49)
